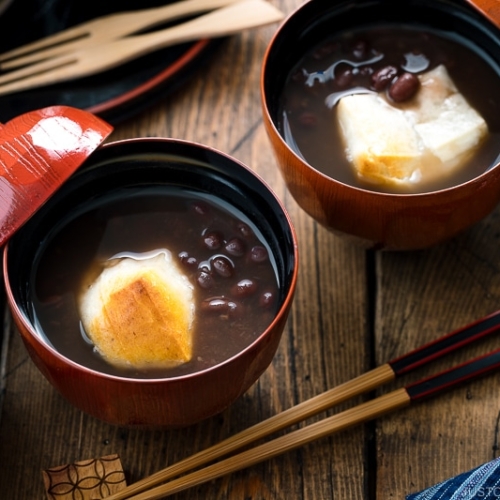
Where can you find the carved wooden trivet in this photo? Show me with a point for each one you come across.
(85, 480)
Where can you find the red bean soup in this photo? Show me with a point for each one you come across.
(384, 59)
(217, 248)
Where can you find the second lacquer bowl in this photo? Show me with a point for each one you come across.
(375, 219)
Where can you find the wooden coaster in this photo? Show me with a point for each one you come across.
(85, 480)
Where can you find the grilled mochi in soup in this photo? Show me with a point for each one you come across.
(139, 312)
(418, 141)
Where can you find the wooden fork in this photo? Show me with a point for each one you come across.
(103, 30)
(227, 20)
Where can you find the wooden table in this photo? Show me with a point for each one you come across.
(354, 309)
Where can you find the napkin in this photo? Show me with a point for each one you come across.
(483, 482)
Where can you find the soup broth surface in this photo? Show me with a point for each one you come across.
(348, 61)
(222, 253)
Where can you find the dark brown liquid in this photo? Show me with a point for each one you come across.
(218, 249)
(349, 60)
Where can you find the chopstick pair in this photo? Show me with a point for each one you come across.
(84, 60)
(151, 488)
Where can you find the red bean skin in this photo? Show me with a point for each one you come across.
(235, 309)
(244, 288)
(383, 77)
(222, 307)
(213, 240)
(267, 299)
(187, 260)
(235, 247)
(244, 230)
(258, 254)
(223, 266)
(344, 78)
(205, 280)
(217, 305)
(404, 88)
(201, 208)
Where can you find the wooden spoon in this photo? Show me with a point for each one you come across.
(39, 150)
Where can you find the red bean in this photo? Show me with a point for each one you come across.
(201, 208)
(221, 306)
(212, 240)
(218, 305)
(366, 71)
(404, 88)
(383, 77)
(205, 280)
(258, 254)
(223, 266)
(235, 247)
(267, 299)
(244, 230)
(344, 78)
(187, 260)
(204, 266)
(244, 288)
(234, 309)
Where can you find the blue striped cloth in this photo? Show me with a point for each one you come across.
(483, 483)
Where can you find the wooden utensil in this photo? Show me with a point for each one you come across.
(227, 20)
(105, 29)
(359, 414)
(362, 413)
(38, 152)
(362, 384)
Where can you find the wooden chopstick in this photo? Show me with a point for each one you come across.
(364, 412)
(366, 382)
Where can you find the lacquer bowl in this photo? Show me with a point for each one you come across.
(154, 402)
(374, 219)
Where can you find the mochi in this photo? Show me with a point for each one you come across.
(418, 141)
(139, 312)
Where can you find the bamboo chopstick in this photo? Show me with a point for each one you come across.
(364, 383)
(359, 414)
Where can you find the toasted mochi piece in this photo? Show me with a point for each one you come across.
(381, 143)
(139, 312)
(449, 127)
(420, 141)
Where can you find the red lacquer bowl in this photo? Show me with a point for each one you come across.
(374, 219)
(160, 402)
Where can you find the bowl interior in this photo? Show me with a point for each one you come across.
(159, 162)
(316, 20)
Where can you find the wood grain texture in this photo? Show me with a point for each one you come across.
(352, 310)
(424, 295)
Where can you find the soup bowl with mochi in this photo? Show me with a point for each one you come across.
(384, 116)
(153, 288)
